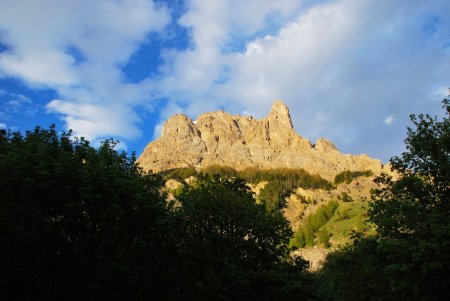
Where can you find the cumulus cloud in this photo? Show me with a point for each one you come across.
(341, 66)
(93, 121)
(77, 48)
(218, 30)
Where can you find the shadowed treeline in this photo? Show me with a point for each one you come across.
(80, 223)
(84, 223)
(281, 181)
(409, 258)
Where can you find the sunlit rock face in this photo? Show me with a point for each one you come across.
(218, 138)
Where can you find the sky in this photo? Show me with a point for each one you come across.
(349, 70)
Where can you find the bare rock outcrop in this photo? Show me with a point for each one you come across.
(243, 141)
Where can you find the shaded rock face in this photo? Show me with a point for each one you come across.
(241, 142)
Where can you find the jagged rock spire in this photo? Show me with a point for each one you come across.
(280, 114)
(241, 142)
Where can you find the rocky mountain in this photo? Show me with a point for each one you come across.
(218, 138)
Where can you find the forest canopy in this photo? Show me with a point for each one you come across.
(410, 256)
(85, 223)
(79, 222)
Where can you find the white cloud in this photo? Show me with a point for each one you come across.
(13, 103)
(389, 120)
(341, 66)
(218, 28)
(93, 121)
(77, 47)
(2, 125)
(45, 68)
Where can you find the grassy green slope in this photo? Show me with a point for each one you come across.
(348, 219)
(336, 229)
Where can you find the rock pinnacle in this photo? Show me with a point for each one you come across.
(218, 138)
(280, 114)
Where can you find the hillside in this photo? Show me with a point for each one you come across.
(99, 228)
(284, 170)
(324, 215)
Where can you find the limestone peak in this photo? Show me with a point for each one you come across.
(178, 124)
(279, 107)
(218, 138)
(325, 145)
(280, 113)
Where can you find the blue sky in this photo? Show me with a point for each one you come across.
(349, 70)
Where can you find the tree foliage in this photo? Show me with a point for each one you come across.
(348, 176)
(179, 174)
(281, 181)
(238, 250)
(355, 272)
(291, 177)
(85, 223)
(273, 195)
(308, 230)
(410, 258)
(412, 213)
(74, 220)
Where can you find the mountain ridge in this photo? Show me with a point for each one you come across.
(219, 138)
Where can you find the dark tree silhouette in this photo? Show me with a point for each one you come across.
(410, 257)
(74, 220)
(84, 223)
(233, 248)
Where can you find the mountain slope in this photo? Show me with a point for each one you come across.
(218, 138)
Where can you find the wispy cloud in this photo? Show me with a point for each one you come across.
(13, 103)
(389, 120)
